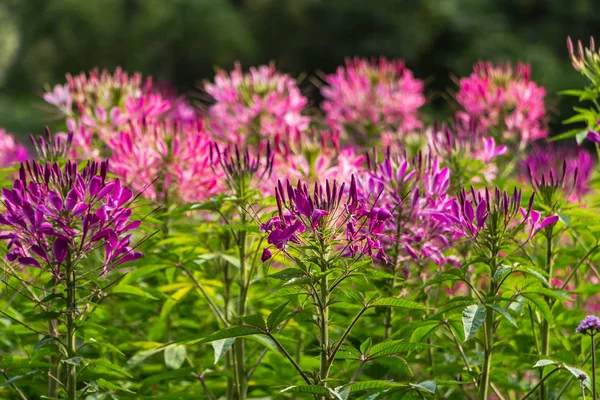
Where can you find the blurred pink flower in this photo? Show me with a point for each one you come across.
(11, 151)
(166, 161)
(262, 103)
(365, 99)
(504, 101)
(569, 168)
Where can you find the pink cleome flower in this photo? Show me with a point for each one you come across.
(504, 101)
(166, 161)
(262, 103)
(569, 167)
(10, 150)
(365, 97)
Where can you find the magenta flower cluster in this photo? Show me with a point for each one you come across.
(11, 151)
(381, 95)
(412, 189)
(326, 213)
(504, 102)
(55, 215)
(567, 167)
(262, 103)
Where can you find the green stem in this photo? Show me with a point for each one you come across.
(54, 362)
(71, 334)
(545, 328)
(15, 388)
(540, 383)
(209, 301)
(324, 326)
(593, 369)
(344, 337)
(488, 325)
(289, 357)
(241, 311)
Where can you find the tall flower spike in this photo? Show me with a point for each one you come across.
(365, 99)
(55, 214)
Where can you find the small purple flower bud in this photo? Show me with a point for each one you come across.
(60, 248)
(266, 254)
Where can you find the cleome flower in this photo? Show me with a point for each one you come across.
(11, 151)
(260, 104)
(550, 168)
(55, 216)
(165, 161)
(365, 99)
(330, 215)
(504, 102)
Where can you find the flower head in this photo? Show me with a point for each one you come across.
(552, 168)
(589, 326)
(330, 215)
(504, 102)
(366, 98)
(260, 104)
(56, 215)
(586, 60)
(10, 150)
(166, 161)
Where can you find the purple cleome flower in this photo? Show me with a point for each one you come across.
(58, 215)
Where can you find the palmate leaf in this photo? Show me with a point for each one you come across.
(277, 316)
(175, 356)
(540, 304)
(386, 349)
(472, 317)
(132, 290)
(396, 302)
(232, 332)
(428, 386)
(314, 389)
(221, 347)
(372, 385)
(503, 312)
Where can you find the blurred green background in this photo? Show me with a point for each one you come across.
(182, 41)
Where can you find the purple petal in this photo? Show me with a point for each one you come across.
(29, 262)
(95, 185)
(71, 200)
(548, 220)
(60, 249)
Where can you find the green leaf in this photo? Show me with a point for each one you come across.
(540, 304)
(18, 378)
(277, 316)
(132, 290)
(472, 318)
(502, 271)
(234, 331)
(504, 313)
(288, 273)
(370, 385)
(310, 389)
(396, 302)
(73, 361)
(103, 364)
(386, 349)
(428, 386)
(104, 384)
(576, 372)
(366, 345)
(543, 363)
(221, 347)
(255, 320)
(175, 356)
(231, 260)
